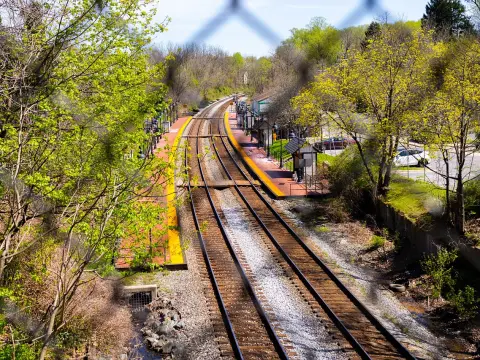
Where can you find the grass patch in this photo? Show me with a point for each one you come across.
(414, 198)
(277, 149)
(321, 157)
(410, 168)
(136, 278)
(322, 229)
(377, 242)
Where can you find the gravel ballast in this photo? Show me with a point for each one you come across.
(295, 317)
(365, 286)
(185, 288)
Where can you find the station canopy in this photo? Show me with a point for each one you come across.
(294, 145)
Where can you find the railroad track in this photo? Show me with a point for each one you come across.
(249, 328)
(366, 335)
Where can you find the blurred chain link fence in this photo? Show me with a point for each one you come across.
(239, 9)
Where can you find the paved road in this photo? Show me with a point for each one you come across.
(471, 170)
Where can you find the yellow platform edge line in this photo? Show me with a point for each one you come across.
(251, 164)
(174, 244)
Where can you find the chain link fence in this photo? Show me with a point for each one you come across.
(238, 8)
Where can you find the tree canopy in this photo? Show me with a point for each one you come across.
(447, 16)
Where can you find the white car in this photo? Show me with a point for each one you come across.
(413, 157)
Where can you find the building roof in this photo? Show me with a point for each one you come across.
(294, 145)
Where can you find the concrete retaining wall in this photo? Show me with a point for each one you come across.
(423, 242)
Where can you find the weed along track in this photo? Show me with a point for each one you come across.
(248, 320)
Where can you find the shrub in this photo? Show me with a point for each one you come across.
(439, 269)
(472, 198)
(92, 313)
(7, 350)
(337, 210)
(322, 229)
(376, 242)
(348, 178)
(464, 302)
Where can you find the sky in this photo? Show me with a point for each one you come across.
(188, 18)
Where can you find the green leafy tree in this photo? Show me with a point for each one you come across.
(447, 16)
(451, 117)
(371, 33)
(320, 41)
(76, 88)
(388, 79)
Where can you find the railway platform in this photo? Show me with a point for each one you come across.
(278, 181)
(173, 256)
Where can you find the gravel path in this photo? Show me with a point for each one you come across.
(381, 302)
(185, 289)
(303, 328)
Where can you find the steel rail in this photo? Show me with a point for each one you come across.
(348, 335)
(400, 348)
(221, 304)
(261, 312)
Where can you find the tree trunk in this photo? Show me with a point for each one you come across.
(460, 216)
(448, 206)
(3, 257)
(380, 180)
(51, 326)
(388, 172)
(387, 178)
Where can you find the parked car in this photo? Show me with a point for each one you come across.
(412, 157)
(336, 143)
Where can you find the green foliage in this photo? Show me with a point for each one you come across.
(217, 92)
(446, 16)
(465, 303)
(238, 60)
(320, 41)
(415, 199)
(8, 351)
(72, 184)
(321, 157)
(371, 33)
(413, 25)
(442, 281)
(439, 269)
(472, 198)
(277, 149)
(348, 178)
(322, 229)
(376, 242)
(386, 82)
